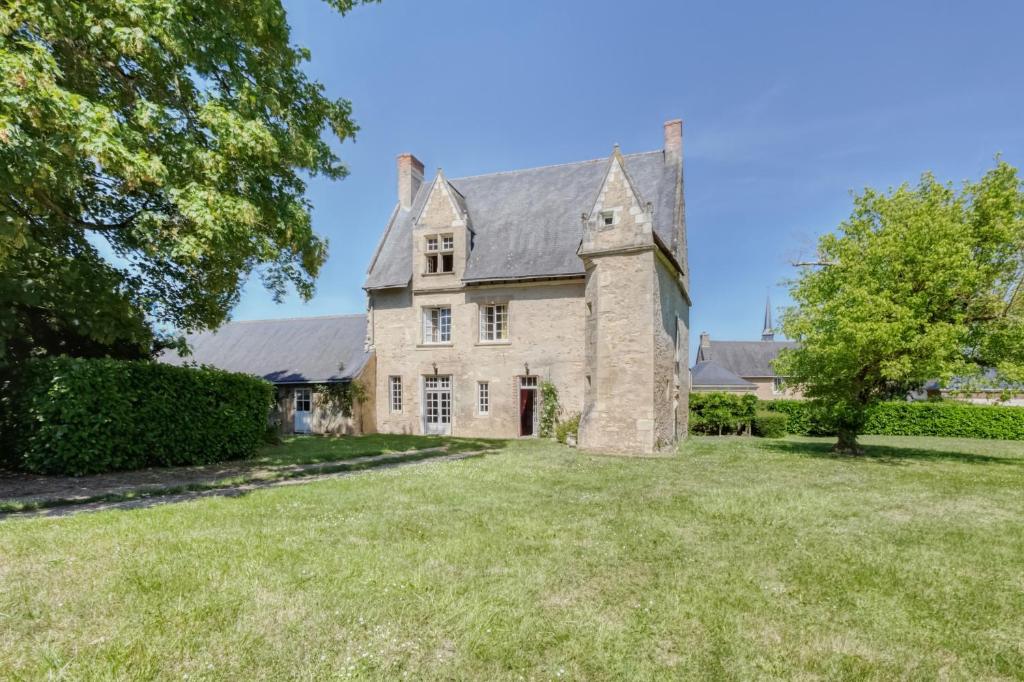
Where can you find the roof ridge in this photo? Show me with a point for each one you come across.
(551, 165)
(299, 317)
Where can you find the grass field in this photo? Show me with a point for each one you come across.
(738, 558)
(313, 449)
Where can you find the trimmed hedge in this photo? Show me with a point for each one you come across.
(949, 419)
(770, 424)
(77, 416)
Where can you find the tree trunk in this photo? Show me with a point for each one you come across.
(847, 443)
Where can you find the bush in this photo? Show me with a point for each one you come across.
(948, 419)
(770, 424)
(569, 426)
(721, 413)
(78, 416)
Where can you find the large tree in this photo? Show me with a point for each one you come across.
(152, 157)
(919, 283)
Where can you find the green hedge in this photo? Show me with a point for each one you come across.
(718, 413)
(76, 416)
(770, 424)
(949, 419)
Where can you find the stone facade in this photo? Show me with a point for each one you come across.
(612, 337)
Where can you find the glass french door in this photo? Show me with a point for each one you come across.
(437, 405)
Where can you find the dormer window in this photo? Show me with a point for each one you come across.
(607, 218)
(440, 256)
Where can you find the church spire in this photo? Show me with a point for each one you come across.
(768, 333)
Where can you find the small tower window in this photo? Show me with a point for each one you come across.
(607, 218)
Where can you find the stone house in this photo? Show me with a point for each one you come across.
(742, 366)
(484, 287)
(299, 356)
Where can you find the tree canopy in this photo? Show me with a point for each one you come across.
(922, 282)
(153, 155)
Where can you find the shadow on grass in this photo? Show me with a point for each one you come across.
(314, 449)
(886, 454)
(237, 487)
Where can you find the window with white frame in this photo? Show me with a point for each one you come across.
(303, 400)
(437, 325)
(494, 322)
(395, 389)
(440, 254)
(778, 385)
(483, 397)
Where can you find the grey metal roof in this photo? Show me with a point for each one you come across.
(296, 350)
(745, 358)
(710, 373)
(526, 223)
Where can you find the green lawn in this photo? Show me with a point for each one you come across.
(739, 558)
(313, 449)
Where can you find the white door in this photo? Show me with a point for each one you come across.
(303, 409)
(437, 405)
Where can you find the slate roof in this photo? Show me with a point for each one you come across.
(526, 223)
(745, 358)
(296, 350)
(711, 374)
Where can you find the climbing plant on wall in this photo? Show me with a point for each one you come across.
(549, 409)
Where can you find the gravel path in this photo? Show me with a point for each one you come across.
(243, 488)
(34, 490)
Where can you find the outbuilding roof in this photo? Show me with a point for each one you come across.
(745, 358)
(710, 374)
(324, 349)
(526, 223)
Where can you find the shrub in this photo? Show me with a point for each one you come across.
(949, 419)
(770, 424)
(569, 426)
(78, 416)
(721, 413)
(803, 418)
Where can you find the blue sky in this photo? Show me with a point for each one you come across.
(788, 106)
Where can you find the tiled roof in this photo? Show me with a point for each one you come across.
(709, 374)
(745, 358)
(526, 223)
(296, 350)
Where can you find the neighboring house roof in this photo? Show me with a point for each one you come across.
(710, 374)
(745, 358)
(526, 223)
(296, 350)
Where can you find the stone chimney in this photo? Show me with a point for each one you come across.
(704, 352)
(410, 177)
(674, 140)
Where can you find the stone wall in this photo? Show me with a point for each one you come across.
(671, 356)
(323, 420)
(618, 413)
(546, 323)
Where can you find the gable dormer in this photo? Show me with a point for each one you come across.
(441, 237)
(619, 218)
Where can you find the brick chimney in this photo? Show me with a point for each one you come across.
(674, 140)
(410, 177)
